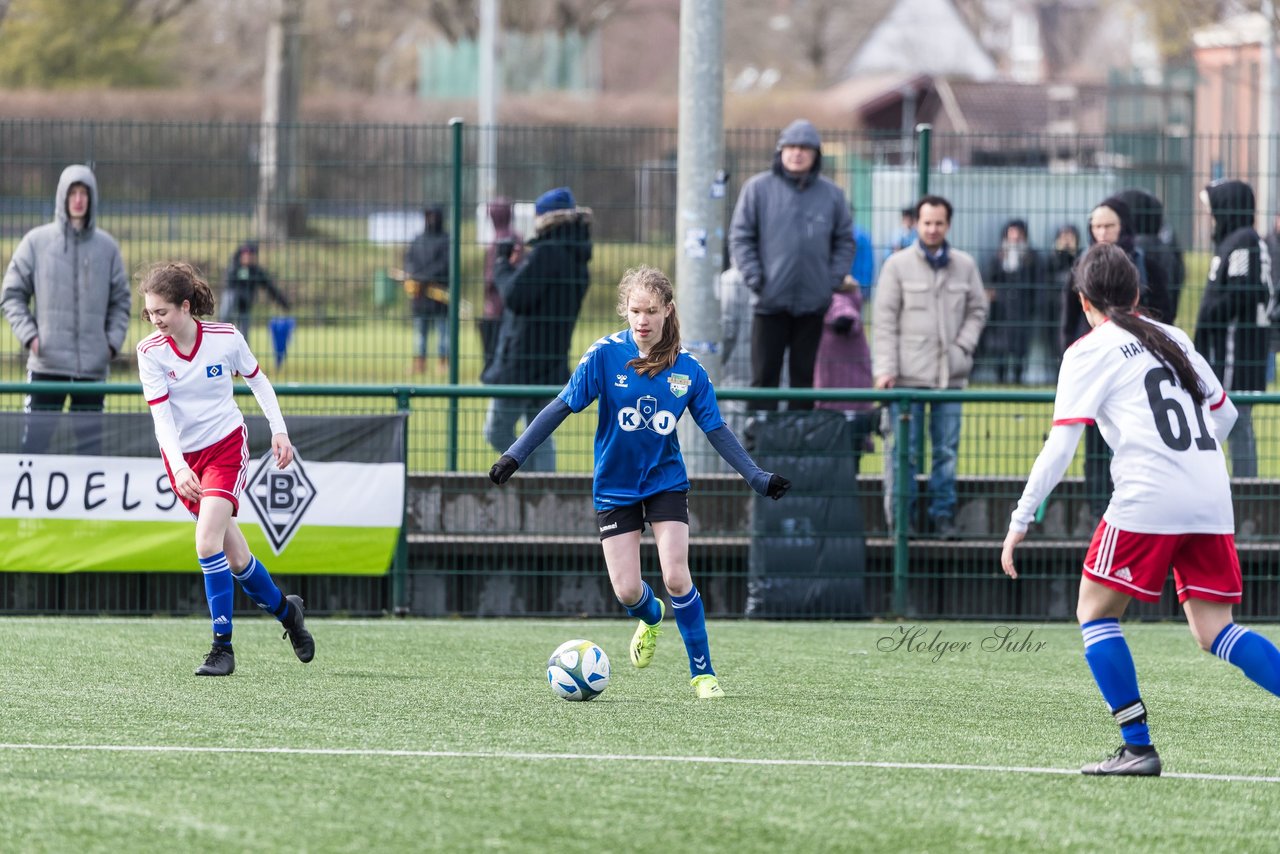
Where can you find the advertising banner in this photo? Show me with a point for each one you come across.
(83, 492)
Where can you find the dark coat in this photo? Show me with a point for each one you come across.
(1159, 245)
(1153, 289)
(426, 266)
(1013, 305)
(542, 296)
(1236, 295)
(242, 283)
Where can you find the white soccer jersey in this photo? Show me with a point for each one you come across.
(1169, 472)
(197, 385)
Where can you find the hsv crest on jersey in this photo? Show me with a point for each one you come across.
(280, 498)
(213, 371)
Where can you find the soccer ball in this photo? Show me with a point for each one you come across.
(578, 670)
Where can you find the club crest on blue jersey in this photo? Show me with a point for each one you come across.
(679, 384)
(213, 372)
(646, 415)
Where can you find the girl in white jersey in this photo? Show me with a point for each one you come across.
(1164, 413)
(187, 368)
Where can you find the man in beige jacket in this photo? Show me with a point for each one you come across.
(930, 307)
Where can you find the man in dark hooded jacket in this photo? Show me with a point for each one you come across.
(542, 291)
(791, 237)
(1232, 329)
(1159, 245)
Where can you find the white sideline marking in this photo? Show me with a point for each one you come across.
(603, 757)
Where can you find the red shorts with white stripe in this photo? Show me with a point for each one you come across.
(223, 469)
(1205, 566)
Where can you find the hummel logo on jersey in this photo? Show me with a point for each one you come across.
(213, 371)
(646, 415)
(700, 662)
(612, 526)
(1124, 574)
(621, 381)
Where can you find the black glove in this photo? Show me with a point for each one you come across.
(778, 486)
(504, 249)
(503, 469)
(843, 324)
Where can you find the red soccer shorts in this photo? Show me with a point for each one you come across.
(223, 469)
(1205, 566)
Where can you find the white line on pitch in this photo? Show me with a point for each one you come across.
(604, 757)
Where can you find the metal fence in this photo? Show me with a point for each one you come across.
(825, 551)
(189, 191)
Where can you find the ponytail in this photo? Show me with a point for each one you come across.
(177, 282)
(1109, 280)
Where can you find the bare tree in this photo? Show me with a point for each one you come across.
(280, 214)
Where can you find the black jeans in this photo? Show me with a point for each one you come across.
(772, 336)
(38, 427)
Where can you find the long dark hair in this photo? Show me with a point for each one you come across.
(1109, 280)
(663, 354)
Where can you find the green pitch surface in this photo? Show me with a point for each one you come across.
(444, 736)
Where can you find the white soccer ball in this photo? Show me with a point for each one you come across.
(578, 670)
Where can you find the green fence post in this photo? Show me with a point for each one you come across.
(455, 290)
(901, 503)
(400, 560)
(924, 134)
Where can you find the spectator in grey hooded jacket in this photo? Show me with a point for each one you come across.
(792, 239)
(73, 272)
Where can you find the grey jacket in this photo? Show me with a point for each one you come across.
(80, 290)
(792, 238)
(926, 323)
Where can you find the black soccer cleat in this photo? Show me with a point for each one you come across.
(220, 661)
(295, 629)
(1126, 762)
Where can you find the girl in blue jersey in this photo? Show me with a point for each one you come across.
(645, 381)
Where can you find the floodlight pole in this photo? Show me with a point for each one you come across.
(700, 189)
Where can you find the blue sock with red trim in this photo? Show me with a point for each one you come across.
(1112, 665)
(220, 592)
(1252, 653)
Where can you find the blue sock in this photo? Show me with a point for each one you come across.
(1252, 653)
(693, 628)
(221, 592)
(259, 586)
(1112, 665)
(647, 610)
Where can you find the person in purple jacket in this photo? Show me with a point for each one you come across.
(844, 361)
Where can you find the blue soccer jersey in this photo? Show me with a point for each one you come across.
(637, 451)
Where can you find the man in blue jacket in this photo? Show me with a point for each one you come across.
(792, 239)
(66, 297)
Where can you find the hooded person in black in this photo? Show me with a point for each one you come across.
(1232, 329)
(244, 277)
(1159, 245)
